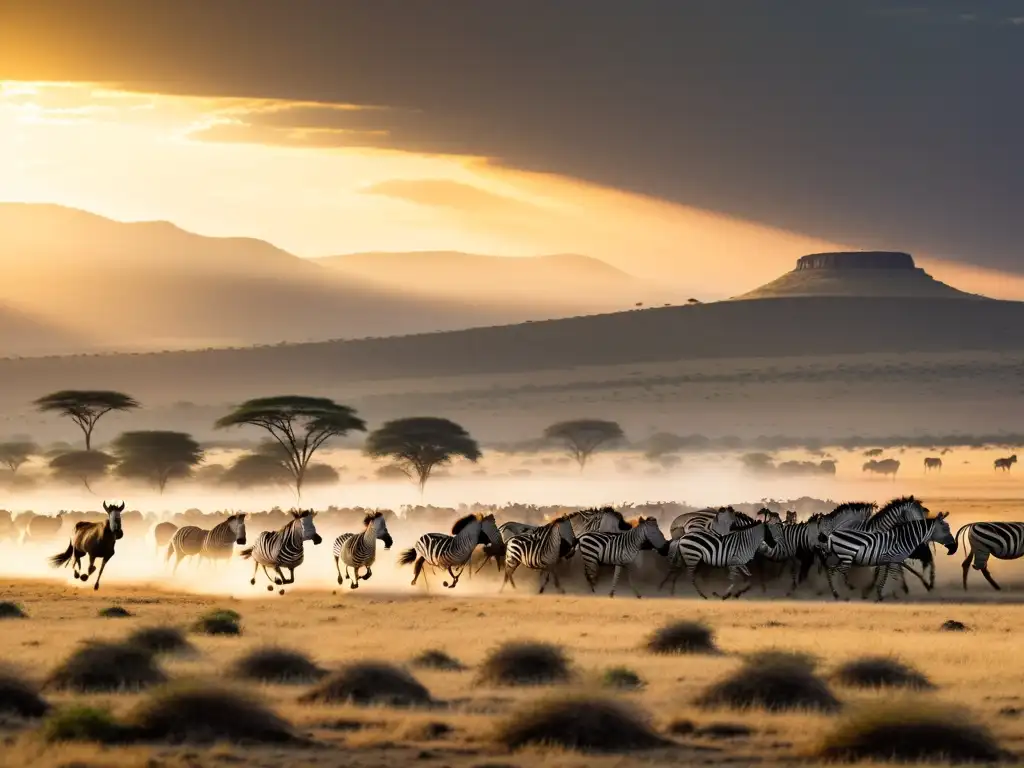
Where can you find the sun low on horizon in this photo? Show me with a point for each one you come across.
(247, 167)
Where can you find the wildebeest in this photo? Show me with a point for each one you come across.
(883, 467)
(1005, 464)
(39, 527)
(162, 534)
(95, 540)
(932, 463)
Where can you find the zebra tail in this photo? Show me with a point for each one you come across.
(956, 539)
(407, 556)
(246, 553)
(64, 557)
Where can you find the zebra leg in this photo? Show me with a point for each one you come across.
(337, 565)
(693, 580)
(510, 568)
(543, 584)
(355, 578)
(967, 566)
(417, 568)
(99, 575)
(983, 567)
(485, 561)
(368, 574)
(177, 560)
(615, 580)
(270, 587)
(828, 576)
(554, 575)
(671, 571)
(455, 577)
(881, 583)
(629, 580)
(291, 576)
(255, 570)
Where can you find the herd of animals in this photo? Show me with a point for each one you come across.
(890, 540)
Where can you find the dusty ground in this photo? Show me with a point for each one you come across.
(978, 670)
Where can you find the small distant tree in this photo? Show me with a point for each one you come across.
(85, 407)
(300, 425)
(581, 437)
(84, 467)
(156, 456)
(420, 444)
(16, 453)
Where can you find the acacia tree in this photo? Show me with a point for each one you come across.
(581, 437)
(156, 456)
(16, 452)
(299, 424)
(82, 466)
(85, 407)
(420, 444)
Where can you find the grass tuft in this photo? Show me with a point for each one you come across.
(622, 678)
(200, 714)
(880, 672)
(367, 683)
(437, 660)
(82, 723)
(952, 625)
(159, 640)
(277, 665)
(774, 682)
(115, 612)
(99, 666)
(525, 664)
(578, 723)
(20, 697)
(10, 610)
(909, 732)
(682, 637)
(218, 622)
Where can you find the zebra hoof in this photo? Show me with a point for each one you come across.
(269, 588)
(278, 582)
(353, 585)
(281, 592)
(445, 584)
(253, 582)
(341, 580)
(84, 577)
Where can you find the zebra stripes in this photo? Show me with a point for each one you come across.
(1003, 541)
(619, 549)
(540, 550)
(886, 548)
(733, 551)
(216, 544)
(439, 550)
(721, 521)
(359, 550)
(283, 548)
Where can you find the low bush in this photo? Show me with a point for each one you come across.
(777, 682)
(20, 697)
(524, 664)
(880, 672)
(276, 665)
(218, 622)
(369, 682)
(438, 660)
(107, 667)
(159, 640)
(682, 637)
(82, 723)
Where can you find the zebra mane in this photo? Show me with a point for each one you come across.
(298, 514)
(895, 503)
(601, 511)
(462, 522)
(370, 517)
(747, 527)
(848, 505)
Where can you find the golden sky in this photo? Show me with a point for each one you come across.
(244, 167)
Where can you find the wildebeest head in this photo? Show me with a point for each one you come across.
(114, 518)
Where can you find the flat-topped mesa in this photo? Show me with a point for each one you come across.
(856, 260)
(857, 274)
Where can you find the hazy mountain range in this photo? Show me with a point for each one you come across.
(77, 282)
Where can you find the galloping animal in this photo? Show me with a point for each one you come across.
(1005, 464)
(95, 540)
(283, 548)
(932, 463)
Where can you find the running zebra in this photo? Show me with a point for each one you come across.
(795, 543)
(282, 548)
(734, 551)
(359, 550)
(1005, 464)
(190, 540)
(721, 521)
(904, 510)
(439, 550)
(619, 549)
(496, 552)
(887, 548)
(540, 550)
(1003, 541)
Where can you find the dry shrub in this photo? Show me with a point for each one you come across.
(580, 723)
(115, 612)
(524, 664)
(82, 723)
(277, 665)
(218, 622)
(952, 625)
(909, 731)
(682, 637)
(107, 667)
(19, 696)
(160, 640)
(369, 682)
(424, 730)
(776, 681)
(200, 714)
(12, 611)
(769, 656)
(880, 672)
(438, 660)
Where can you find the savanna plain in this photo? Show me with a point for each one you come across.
(394, 675)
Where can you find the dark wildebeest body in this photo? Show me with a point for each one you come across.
(95, 540)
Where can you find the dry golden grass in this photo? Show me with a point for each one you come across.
(977, 670)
